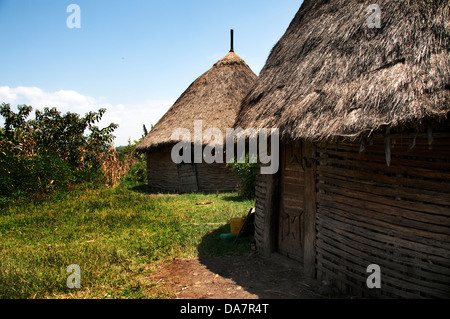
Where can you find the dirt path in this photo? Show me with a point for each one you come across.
(242, 277)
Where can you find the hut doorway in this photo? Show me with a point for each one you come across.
(291, 219)
(187, 176)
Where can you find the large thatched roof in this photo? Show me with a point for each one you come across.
(213, 98)
(330, 75)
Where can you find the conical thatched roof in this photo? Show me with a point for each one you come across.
(331, 75)
(213, 98)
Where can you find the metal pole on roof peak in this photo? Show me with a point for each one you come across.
(232, 40)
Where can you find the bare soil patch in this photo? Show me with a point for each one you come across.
(237, 277)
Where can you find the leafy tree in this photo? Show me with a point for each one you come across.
(15, 136)
(65, 135)
(50, 150)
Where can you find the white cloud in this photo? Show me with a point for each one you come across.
(64, 100)
(130, 117)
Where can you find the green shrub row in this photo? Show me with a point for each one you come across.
(50, 151)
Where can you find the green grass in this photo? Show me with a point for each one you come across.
(116, 236)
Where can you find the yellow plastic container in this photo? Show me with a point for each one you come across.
(236, 225)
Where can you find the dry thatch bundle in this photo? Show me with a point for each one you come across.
(331, 75)
(213, 98)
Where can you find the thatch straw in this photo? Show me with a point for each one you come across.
(213, 98)
(330, 75)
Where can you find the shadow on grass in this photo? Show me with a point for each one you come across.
(234, 259)
(275, 278)
(145, 189)
(236, 198)
(213, 245)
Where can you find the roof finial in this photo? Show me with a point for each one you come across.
(232, 40)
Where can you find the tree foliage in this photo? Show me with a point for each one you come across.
(50, 150)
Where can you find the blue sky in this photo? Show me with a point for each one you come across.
(133, 57)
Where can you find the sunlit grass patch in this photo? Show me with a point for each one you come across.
(115, 235)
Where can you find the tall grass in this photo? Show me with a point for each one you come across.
(116, 236)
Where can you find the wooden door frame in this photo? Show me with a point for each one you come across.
(310, 208)
(291, 168)
(271, 207)
(272, 210)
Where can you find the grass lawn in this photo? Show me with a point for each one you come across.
(115, 235)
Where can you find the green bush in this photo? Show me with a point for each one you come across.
(137, 174)
(246, 173)
(50, 171)
(41, 173)
(90, 175)
(11, 169)
(50, 151)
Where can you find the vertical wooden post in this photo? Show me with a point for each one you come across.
(309, 257)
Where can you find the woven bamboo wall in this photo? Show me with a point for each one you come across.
(164, 175)
(397, 217)
(162, 171)
(216, 177)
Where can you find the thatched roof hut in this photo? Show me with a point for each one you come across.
(213, 98)
(365, 168)
(331, 75)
